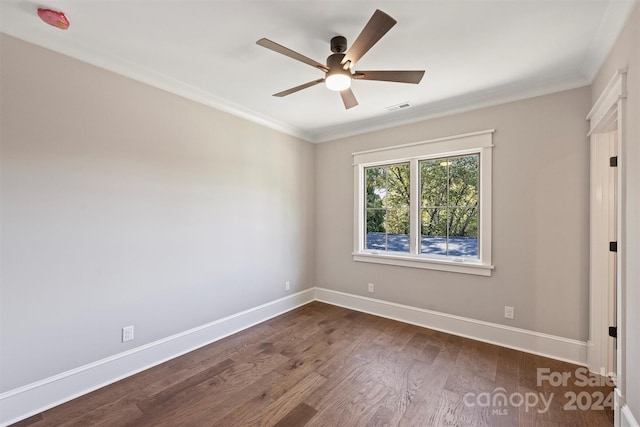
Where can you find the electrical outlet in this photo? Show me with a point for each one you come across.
(508, 312)
(287, 285)
(127, 333)
(371, 287)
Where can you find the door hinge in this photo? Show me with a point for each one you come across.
(613, 161)
(613, 246)
(613, 331)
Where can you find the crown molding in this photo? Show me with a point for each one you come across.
(613, 20)
(617, 13)
(86, 54)
(481, 99)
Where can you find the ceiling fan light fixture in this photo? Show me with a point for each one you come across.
(339, 69)
(337, 81)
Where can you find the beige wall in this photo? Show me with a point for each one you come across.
(126, 205)
(540, 219)
(626, 53)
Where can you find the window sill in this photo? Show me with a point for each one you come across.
(465, 267)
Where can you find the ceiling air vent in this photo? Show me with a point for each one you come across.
(400, 106)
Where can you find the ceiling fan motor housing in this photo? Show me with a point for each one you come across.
(338, 44)
(335, 61)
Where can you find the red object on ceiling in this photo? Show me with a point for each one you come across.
(54, 18)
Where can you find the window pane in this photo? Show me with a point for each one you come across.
(376, 238)
(433, 183)
(463, 232)
(376, 179)
(399, 188)
(433, 239)
(376, 219)
(463, 181)
(398, 229)
(387, 200)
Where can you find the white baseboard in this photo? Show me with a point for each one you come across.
(23, 402)
(555, 347)
(623, 417)
(627, 418)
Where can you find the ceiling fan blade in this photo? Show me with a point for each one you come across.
(348, 98)
(297, 88)
(291, 54)
(379, 24)
(390, 76)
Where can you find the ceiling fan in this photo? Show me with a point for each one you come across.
(339, 69)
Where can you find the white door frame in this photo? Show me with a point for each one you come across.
(607, 137)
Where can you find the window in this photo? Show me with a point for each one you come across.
(449, 206)
(387, 203)
(426, 205)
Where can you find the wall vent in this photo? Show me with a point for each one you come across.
(400, 106)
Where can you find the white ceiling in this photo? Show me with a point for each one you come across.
(475, 52)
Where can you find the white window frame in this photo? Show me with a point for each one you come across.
(471, 143)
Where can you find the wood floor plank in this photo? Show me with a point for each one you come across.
(364, 399)
(349, 356)
(323, 365)
(287, 408)
(414, 348)
(31, 421)
(218, 388)
(423, 409)
(251, 399)
(408, 388)
(506, 382)
(384, 417)
(298, 417)
(395, 334)
(118, 413)
(175, 395)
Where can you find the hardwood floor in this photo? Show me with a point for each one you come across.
(322, 365)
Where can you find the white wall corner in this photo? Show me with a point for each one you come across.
(31, 399)
(559, 348)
